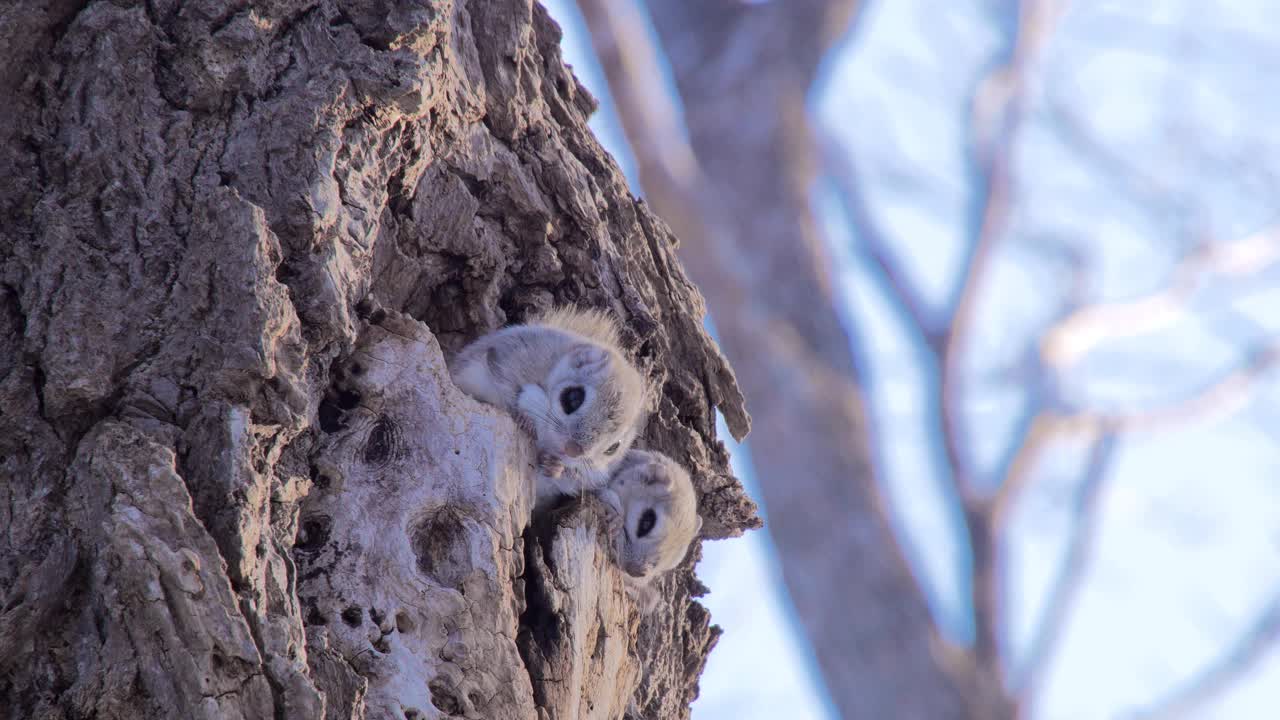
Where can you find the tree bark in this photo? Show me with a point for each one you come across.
(236, 246)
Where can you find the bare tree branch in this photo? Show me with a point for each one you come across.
(1082, 331)
(979, 524)
(986, 590)
(991, 167)
(1035, 427)
(1085, 329)
(731, 221)
(650, 119)
(1073, 130)
(1077, 334)
(749, 239)
(1217, 396)
(995, 116)
(1042, 427)
(1061, 596)
(1236, 661)
(1221, 396)
(839, 165)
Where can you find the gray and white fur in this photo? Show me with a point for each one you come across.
(566, 381)
(657, 518)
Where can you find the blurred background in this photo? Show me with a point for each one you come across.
(1001, 283)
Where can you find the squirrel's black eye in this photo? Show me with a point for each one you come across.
(571, 399)
(648, 519)
(613, 448)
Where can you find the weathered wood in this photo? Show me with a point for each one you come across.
(203, 503)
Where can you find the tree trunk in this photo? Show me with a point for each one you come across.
(236, 480)
(744, 72)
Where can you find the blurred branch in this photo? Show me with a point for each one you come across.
(1243, 655)
(1106, 428)
(1046, 424)
(1079, 331)
(838, 163)
(648, 115)
(1066, 586)
(736, 192)
(995, 115)
(991, 163)
(1034, 427)
(1043, 426)
(1073, 130)
(1082, 331)
(1217, 396)
(1235, 327)
(1085, 329)
(1220, 395)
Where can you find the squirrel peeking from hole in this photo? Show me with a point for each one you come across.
(567, 383)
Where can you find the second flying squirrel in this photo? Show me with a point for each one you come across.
(657, 508)
(565, 379)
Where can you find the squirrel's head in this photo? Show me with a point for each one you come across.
(596, 401)
(659, 510)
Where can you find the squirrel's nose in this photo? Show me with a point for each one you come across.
(573, 449)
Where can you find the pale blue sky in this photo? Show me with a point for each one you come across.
(1189, 541)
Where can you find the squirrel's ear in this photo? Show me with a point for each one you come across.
(631, 459)
(588, 358)
(657, 475)
(697, 525)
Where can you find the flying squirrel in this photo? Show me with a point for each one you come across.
(656, 518)
(565, 379)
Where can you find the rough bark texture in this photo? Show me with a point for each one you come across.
(235, 480)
